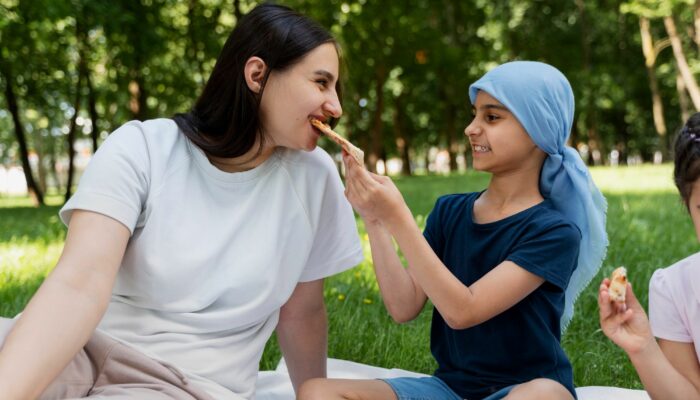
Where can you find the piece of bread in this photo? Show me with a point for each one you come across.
(355, 152)
(618, 285)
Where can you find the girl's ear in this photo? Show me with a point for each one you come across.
(254, 72)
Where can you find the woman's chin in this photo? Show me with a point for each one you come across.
(308, 146)
(311, 145)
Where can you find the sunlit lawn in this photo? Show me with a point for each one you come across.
(647, 225)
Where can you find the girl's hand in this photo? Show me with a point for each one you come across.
(375, 198)
(625, 324)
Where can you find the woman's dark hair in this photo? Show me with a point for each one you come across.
(225, 120)
(686, 168)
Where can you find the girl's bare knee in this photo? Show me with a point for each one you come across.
(540, 389)
(345, 389)
(314, 389)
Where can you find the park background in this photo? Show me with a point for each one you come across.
(71, 71)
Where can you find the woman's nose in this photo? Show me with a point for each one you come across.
(332, 107)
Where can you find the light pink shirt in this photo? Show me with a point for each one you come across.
(674, 302)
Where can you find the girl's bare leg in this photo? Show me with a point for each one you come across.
(346, 389)
(540, 389)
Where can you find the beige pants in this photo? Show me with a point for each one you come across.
(107, 369)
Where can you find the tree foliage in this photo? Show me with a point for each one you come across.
(92, 66)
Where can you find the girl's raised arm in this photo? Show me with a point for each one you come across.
(380, 203)
(402, 295)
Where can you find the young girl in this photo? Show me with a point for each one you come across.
(190, 240)
(670, 368)
(495, 264)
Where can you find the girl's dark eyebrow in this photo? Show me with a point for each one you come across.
(325, 74)
(493, 106)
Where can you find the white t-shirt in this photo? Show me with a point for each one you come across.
(674, 302)
(213, 255)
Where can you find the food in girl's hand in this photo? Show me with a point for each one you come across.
(618, 285)
(355, 152)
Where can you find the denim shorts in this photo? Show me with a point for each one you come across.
(432, 388)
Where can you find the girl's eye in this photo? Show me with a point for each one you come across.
(322, 82)
(491, 117)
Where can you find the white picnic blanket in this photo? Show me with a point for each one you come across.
(275, 385)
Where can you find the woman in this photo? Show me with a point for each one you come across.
(189, 239)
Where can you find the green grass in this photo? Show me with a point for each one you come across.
(648, 229)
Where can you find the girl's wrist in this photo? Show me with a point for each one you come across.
(372, 225)
(647, 350)
(401, 221)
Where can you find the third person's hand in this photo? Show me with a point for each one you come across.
(627, 326)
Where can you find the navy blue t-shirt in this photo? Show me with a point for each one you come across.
(523, 342)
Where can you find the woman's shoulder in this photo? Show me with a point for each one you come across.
(161, 126)
(156, 146)
(162, 131)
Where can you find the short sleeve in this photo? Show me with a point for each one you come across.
(433, 233)
(550, 253)
(115, 182)
(336, 246)
(664, 316)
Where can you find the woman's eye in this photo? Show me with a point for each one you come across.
(322, 82)
(491, 117)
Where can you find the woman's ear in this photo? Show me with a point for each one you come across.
(254, 72)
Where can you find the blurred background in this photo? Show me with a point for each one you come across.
(71, 71)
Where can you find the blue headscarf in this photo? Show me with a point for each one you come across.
(542, 100)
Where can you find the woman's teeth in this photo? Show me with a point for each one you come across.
(481, 149)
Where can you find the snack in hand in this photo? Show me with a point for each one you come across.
(618, 285)
(355, 152)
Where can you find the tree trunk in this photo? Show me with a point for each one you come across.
(426, 158)
(682, 97)
(34, 191)
(71, 132)
(403, 142)
(452, 144)
(137, 90)
(467, 155)
(687, 75)
(194, 47)
(92, 109)
(137, 98)
(375, 131)
(237, 10)
(649, 62)
(574, 134)
(52, 170)
(591, 120)
(40, 167)
(585, 34)
(696, 23)
(83, 49)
